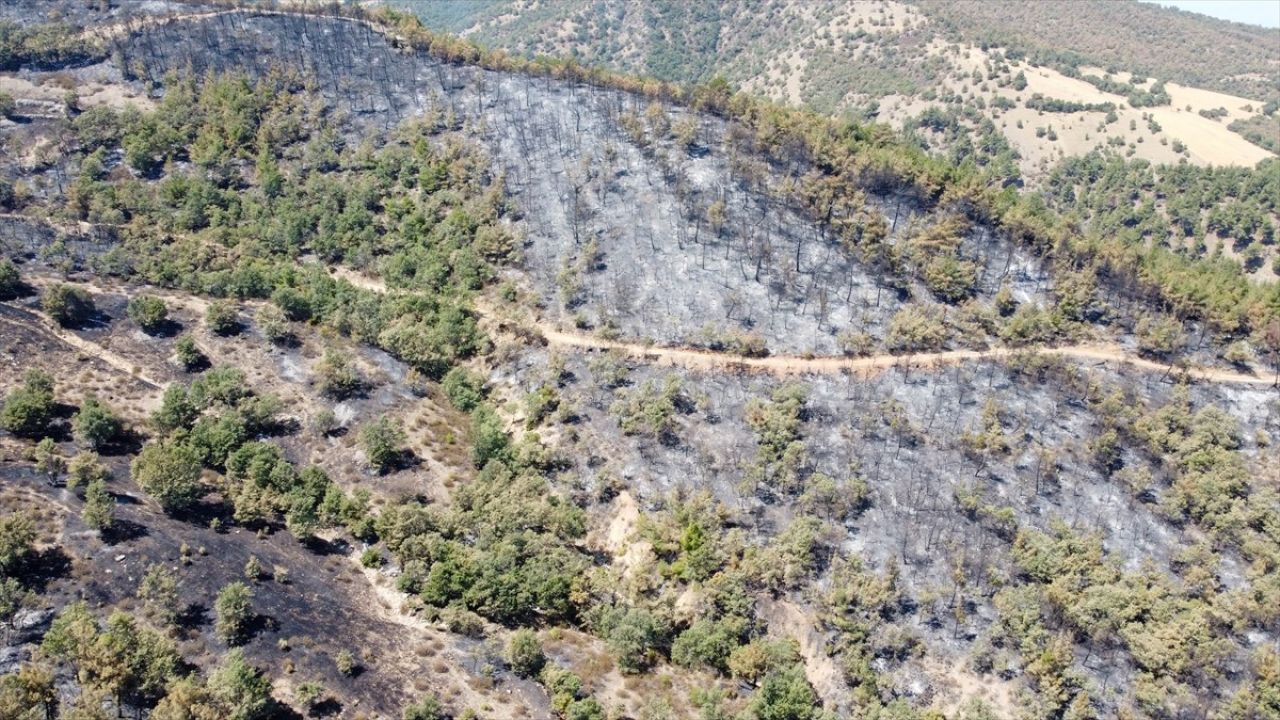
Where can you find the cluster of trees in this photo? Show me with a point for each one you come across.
(422, 210)
(209, 424)
(1137, 97)
(1056, 105)
(1238, 205)
(45, 47)
(1262, 130)
(135, 666)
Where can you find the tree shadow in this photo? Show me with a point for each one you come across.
(169, 328)
(260, 625)
(18, 291)
(122, 531)
(403, 460)
(282, 427)
(127, 442)
(200, 365)
(43, 567)
(193, 616)
(329, 707)
(320, 546)
(206, 511)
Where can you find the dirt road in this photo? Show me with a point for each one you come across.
(794, 365)
(786, 365)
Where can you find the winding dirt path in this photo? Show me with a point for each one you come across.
(796, 365)
(89, 348)
(790, 365)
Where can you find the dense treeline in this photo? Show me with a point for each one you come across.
(44, 47)
(1039, 102)
(1137, 96)
(1176, 206)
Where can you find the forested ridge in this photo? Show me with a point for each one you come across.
(336, 464)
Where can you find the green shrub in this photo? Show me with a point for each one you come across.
(916, 329)
(382, 441)
(94, 425)
(464, 388)
(69, 306)
(428, 708)
(176, 410)
(99, 507)
(488, 440)
(188, 353)
(337, 377)
(524, 653)
(222, 317)
(273, 325)
(169, 471)
(706, 642)
(28, 411)
(149, 312)
(292, 303)
(84, 468)
(234, 612)
(10, 280)
(346, 663)
(48, 458)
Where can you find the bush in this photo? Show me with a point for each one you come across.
(293, 304)
(649, 409)
(17, 540)
(242, 691)
(69, 306)
(337, 377)
(1159, 335)
(633, 635)
(176, 410)
(382, 440)
(785, 695)
(234, 612)
(346, 663)
(464, 388)
(189, 354)
(94, 425)
(916, 329)
(524, 653)
(428, 708)
(28, 411)
(99, 507)
(949, 278)
(8, 106)
(10, 280)
(273, 325)
(48, 458)
(169, 471)
(222, 317)
(488, 440)
(149, 312)
(85, 468)
(706, 642)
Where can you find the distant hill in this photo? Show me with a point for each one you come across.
(894, 61)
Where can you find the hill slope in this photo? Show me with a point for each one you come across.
(377, 376)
